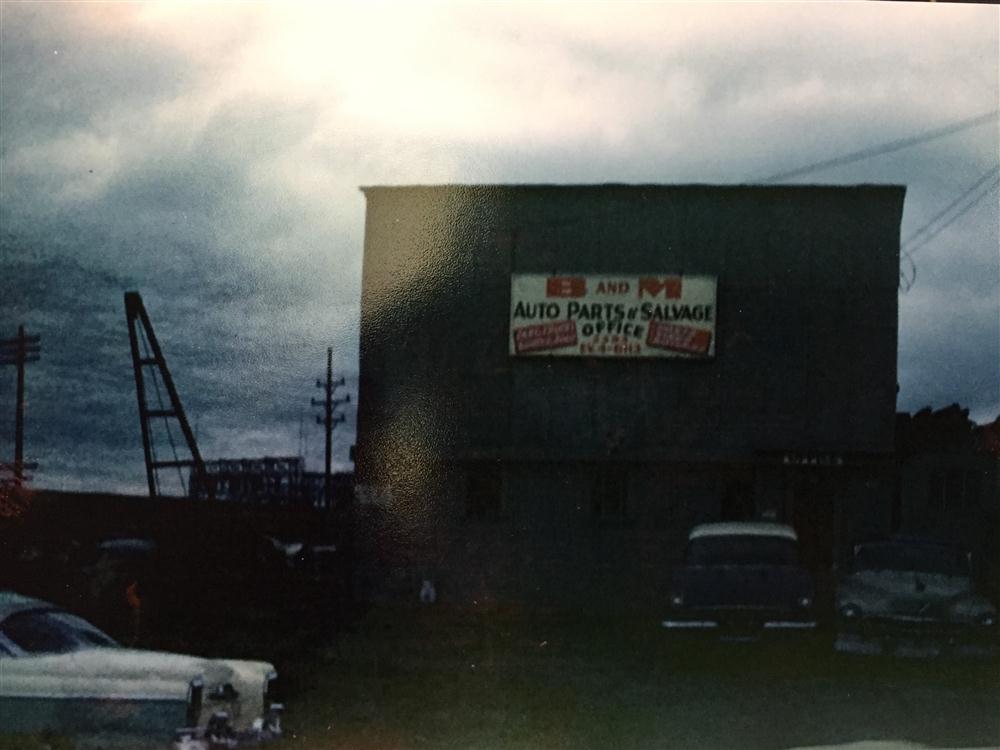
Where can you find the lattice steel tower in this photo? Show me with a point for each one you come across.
(148, 364)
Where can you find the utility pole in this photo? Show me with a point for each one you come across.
(18, 351)
(329, 420)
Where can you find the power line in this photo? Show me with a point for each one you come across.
(944, 211)
(907, 278)
(965, 209)
(911, 243)
(885, 148)
(909, 246)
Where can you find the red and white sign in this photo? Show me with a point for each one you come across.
(638, 315)
(678, 338)
(545, 336)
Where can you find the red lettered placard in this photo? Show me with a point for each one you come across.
(678, 338)
(545, 336)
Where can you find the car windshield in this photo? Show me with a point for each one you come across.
(742, 550)
(52, 632)
(921, 558)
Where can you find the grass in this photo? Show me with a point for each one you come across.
(445, 679)
(36, 742)
(439, 679)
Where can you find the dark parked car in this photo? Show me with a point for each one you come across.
(912, 597)
(186, 593)
(740, 580)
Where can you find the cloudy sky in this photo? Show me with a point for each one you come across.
(209, 156)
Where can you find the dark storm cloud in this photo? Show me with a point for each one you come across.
(950, 321)
(174, 184)
(947, 361)
(179, 221)
(212, 163)
(242, 379)
(180, 212)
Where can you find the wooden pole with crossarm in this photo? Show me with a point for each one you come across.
(18, 351)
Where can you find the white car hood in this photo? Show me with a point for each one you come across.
(119, 672)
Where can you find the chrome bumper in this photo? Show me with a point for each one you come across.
(714, 624)
(742, 620)
(911, 637)
(690, 624)
(219, 734)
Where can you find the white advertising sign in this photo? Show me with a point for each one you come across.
(646, 315)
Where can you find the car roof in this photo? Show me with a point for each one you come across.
(743, 528)
(11, 603)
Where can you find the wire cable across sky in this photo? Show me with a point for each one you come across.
(965, 202)
(911, 240)
(886, 148)
(910, 247)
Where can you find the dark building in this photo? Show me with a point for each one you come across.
(949, 469)
(557, 382)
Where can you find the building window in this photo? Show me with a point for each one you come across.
(483, 492)
(610, 494)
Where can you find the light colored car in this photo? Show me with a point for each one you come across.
(741, 580)
(912, 597)
(59, 673)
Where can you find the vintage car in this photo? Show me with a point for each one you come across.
(59, 673)
(194, 594)
(913, 597)
(741, 580)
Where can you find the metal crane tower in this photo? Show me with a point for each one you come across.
(146, 356)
